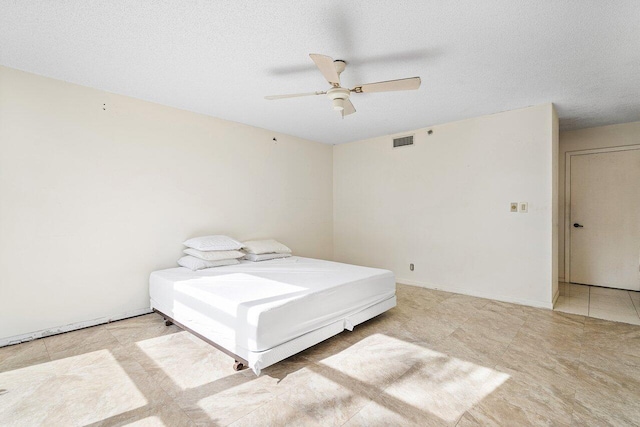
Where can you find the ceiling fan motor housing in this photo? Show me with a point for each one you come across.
(340, 65)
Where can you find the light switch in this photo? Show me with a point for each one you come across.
(524, 207)
(514, 206)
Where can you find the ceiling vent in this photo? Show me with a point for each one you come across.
(404, 141)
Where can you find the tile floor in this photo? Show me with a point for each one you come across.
(602, 303)
(438, 359)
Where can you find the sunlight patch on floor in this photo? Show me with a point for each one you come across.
(93, 385)
(183, 360)
(433, 382)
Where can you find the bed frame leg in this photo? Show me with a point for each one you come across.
(167, 322)
(238, 366)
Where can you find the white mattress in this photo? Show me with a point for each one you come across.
(256, 306)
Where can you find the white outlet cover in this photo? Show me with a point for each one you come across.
(524, 207)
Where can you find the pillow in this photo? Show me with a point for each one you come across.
(265, 247)
(265, 257)
(213, 255)
(213, 243)
(194, 263)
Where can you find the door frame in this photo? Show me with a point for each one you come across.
(567, 197)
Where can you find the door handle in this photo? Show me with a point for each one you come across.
(576, 225)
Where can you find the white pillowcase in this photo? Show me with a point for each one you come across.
(213, 243)
(213, 255)
(194, 263)
(265, 247)
(265, 257)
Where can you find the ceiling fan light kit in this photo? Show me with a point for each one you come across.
(339, 95)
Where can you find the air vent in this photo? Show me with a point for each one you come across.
(403, 141)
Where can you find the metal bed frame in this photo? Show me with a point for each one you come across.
(239, 364)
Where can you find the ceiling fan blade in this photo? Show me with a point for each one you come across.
(411, 83)
(348, 108)
(293, 95)
(328, 70)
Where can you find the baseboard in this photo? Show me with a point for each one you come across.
(560, 279)
(475, 293)
(17, 339)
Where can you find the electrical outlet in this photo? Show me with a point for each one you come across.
(524, 207)
(411, 267)
(514, 206)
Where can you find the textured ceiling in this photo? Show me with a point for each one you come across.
(222, 57)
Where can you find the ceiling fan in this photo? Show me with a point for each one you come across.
(339, 95)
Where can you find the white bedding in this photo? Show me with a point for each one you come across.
(254, 307)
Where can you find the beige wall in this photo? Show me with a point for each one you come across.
(555, 232)
(93, 200)
(443, 204)
(585, 139)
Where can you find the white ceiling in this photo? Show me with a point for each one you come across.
(222, 57)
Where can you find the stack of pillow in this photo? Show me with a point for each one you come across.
(262, 250)
(211, 251)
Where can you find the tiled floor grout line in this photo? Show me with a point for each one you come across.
(634, 304)
(460, 418)
(582, 342)
(351, 417)
(46, 348)
(114, 337)
(44, 342)
(513, 339)
(251, 412)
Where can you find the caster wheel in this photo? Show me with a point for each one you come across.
(168, 323)
(238, 366)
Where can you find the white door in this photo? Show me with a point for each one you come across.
(605, 219)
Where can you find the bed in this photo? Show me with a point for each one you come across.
(263, 312)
